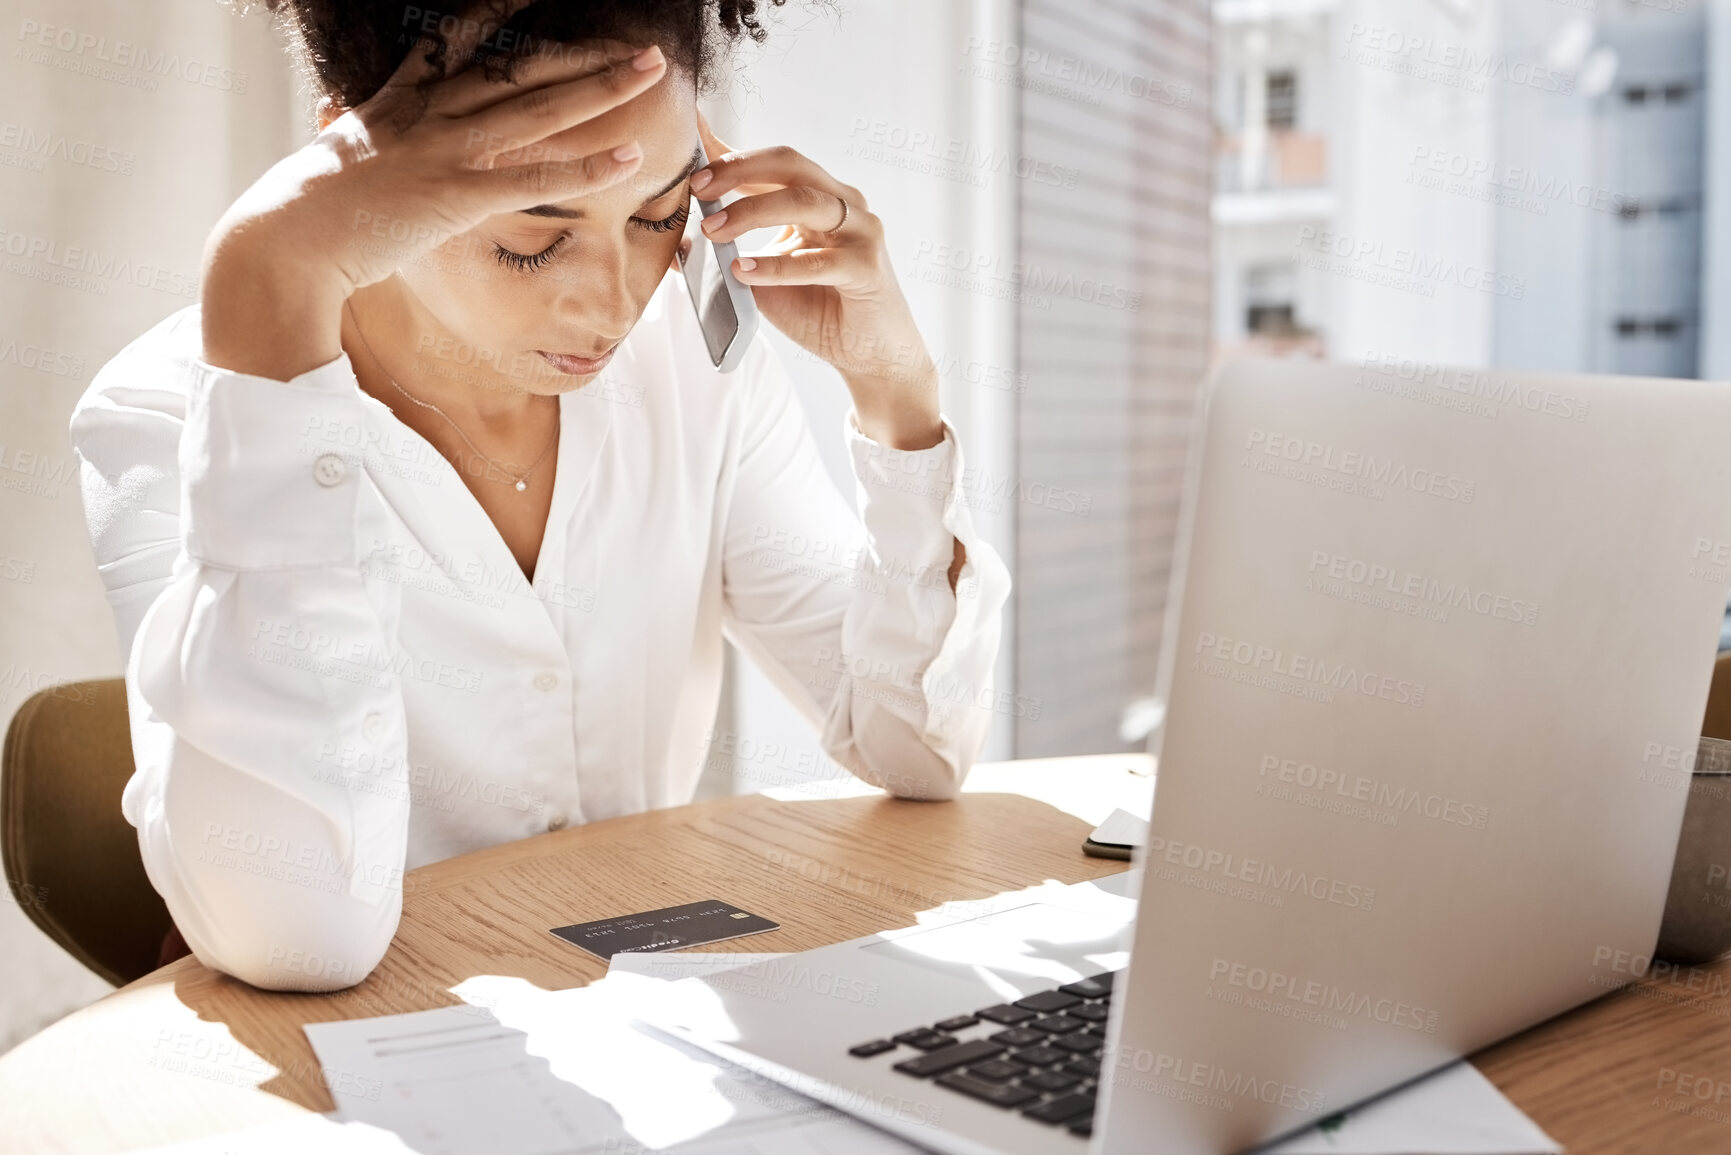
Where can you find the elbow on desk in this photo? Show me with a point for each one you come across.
(311, 952)
(926, 776)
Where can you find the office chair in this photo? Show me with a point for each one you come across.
(71, 858)
(1717, 724)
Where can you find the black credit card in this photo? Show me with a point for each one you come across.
(676, 928)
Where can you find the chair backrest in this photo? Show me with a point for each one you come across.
(71, 858)
(1717, 724)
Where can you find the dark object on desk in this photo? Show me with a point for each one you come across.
(1697, 923)
(671, 928)
(1105, 849)
(71, 858)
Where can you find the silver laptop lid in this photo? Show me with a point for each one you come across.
(1436, 658)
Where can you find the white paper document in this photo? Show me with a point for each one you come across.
(532, 1072)
(1455, 1111)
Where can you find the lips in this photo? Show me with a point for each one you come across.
(575, 366)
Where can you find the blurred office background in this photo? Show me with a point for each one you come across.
(1087, 201)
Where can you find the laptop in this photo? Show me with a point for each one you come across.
(1437, 642)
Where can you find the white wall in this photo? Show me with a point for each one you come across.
(1385, 112)
(112, 173)
(875, 94)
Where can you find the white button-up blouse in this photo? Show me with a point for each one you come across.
(337, 671)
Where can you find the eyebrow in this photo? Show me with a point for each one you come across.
(555, 211)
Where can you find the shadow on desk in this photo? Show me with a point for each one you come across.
(827, 870)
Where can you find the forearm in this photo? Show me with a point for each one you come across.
(263, 310)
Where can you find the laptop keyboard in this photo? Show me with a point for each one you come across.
(1038, 1056)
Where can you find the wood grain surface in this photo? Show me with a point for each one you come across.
(187, 1052)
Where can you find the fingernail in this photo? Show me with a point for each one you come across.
(711, 223)
(626, 153)
(647, 59)
(700, 178)
(746, 264)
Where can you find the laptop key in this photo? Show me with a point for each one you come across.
(1039, 1056)
(1047, 1080)
(1018, 1037)
(1082, 1127)
(1057, 1024)
(1048, 1001)
(1087, 1068)
(1078, 1044)
(997, 1071)
(1006, 1014)
(1098, 987)
(997, 1094)
(875, 1047)
(949, 1058)
(1063, 1109)
(1092, 1012)
(959, 1023)
(925, 1039)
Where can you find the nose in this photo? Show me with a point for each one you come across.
(595, 296)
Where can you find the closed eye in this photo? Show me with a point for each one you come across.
(528, 262)
(670, 223)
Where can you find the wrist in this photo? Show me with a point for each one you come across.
(265, 311)
(898, 414)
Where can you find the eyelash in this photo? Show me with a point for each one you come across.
(528, 262)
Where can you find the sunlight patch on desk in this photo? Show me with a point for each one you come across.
(548, 1070)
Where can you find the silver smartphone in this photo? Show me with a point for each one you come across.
(725, 309)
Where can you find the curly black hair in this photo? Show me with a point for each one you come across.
(349, 48)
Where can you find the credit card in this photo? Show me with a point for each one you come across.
(675, 928)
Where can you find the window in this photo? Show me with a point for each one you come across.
(1282, 93)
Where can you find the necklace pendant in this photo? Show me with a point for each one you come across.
(522, 485)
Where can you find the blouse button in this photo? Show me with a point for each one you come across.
(373, 728)
(329, 470)
(546, 680)
(557, 822)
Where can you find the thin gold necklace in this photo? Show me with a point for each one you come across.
(521, 482)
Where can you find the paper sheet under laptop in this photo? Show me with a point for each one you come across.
(532, 1072)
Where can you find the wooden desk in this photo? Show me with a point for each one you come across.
(186, 1052)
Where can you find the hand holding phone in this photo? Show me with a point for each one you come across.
(726, 311)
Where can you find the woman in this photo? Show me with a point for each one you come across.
(424, 528)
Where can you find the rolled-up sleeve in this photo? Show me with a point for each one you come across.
(258, 666)
(851, 614)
